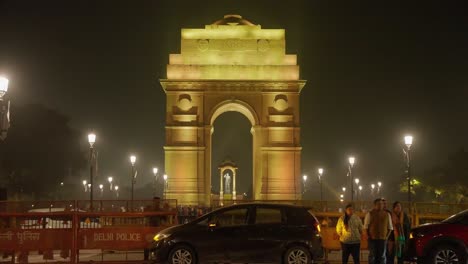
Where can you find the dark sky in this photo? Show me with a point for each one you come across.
(374, 72)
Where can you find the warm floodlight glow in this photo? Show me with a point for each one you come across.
(356, 181)
(155, 171)
(320, 171)
(165, 177)
(3, 86)
(116, 188)
(304, 177)
(133, 159)
(344, 189)
(85, 182)
(408, 141)
(110, 179)
(360, 187)
(351, 161)
(379, 184)
(91, 139)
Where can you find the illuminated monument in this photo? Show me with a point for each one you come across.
(233, 65)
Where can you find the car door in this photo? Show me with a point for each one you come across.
(267, 235)
(225, 231)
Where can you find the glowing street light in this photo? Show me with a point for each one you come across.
(132, 161)
(351, 161)
(165, 177)
(110, 179)
(343, 189)
(85, 185)
(379, 185)
(3, 86)
(101, 188)
(91, 141)
(155, 173)
(4, 108)
(320, 174)
(116, 188)
(360, 189)
(356, 181)
(407, 151)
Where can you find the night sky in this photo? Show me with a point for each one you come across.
(374, 72)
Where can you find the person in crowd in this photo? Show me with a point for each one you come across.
(349, 228)
(377, 226)
(400, 235)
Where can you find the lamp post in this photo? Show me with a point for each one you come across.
(155, 173)
(116, 188)
(357, 184)
(85, 185)
(132, 161)
(304, 179)
(101, 189)
(379, 184)
(91, 140)
(372, 186)
(408, 143)
(320, 174)
(360, 194)
(165, 186)
(351, 161)
(4, 108)
(110, 179)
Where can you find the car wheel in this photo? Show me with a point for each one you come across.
(297, 255)
(182, 255)
(447, 255)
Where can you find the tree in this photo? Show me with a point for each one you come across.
(40, 151)
(446, 183)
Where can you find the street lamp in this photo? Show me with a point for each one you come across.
(155, 173)
(132, 161)
(379, 184)
(360, 189)
(407, 151)
(165, 185)
(320, 174)
(4, 108)
(101, 188)
(91, 140)
(116, 188)
(351, 161)
(304, 180)
(372, 186)
(110, 179)
(85, 185)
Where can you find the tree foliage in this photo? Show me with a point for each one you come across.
(40, 151)
(447, 182)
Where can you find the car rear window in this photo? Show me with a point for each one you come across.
(300, 216)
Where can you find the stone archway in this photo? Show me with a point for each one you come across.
(233, 65)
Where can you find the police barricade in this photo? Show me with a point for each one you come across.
(72, 235)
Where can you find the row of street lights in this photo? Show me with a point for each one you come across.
(352, 160)
(134, 173)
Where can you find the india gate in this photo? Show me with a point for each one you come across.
(232, 65)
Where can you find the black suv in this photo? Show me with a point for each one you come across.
(246, 233)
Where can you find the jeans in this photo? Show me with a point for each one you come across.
(350, 249)
(377, 249)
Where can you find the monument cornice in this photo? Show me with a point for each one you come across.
(233, 85)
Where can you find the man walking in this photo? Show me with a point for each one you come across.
(378, 227)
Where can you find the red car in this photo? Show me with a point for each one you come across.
(440, 243)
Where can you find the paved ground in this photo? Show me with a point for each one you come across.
(98, 256)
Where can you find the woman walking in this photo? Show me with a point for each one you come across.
(399, 237)
(349, 228)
